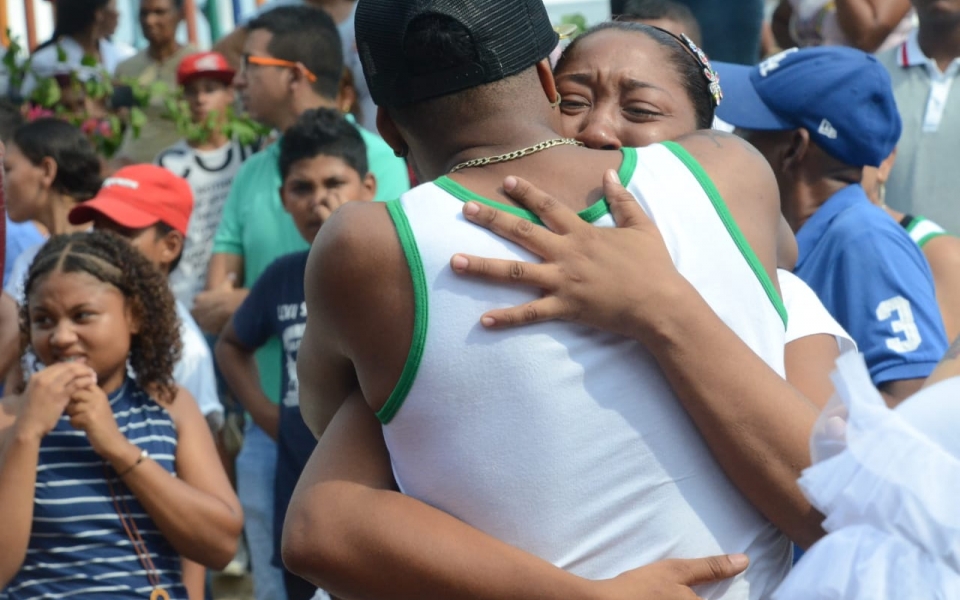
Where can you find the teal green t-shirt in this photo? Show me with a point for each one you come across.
(255, 225)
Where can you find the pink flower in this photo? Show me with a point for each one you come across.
(38, 112)
(104, 129)
(88, 126)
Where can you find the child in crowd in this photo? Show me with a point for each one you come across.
(208, 164)
(107, 478)
(150, 207)
(323, 163)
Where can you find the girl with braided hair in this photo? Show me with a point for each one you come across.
(108, 472)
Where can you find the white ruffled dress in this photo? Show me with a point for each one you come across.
(888, 482)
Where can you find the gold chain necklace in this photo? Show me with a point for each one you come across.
(492, 160)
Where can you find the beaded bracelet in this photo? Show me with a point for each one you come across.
(143, 455)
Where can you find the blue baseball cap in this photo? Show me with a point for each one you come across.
(842, 96)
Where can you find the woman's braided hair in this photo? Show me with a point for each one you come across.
(156, 348)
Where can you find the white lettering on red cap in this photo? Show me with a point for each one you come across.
(122, 182)
(207, 63)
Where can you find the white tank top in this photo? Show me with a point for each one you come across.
(565, 441)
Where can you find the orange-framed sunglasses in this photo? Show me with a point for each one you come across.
(266, 61)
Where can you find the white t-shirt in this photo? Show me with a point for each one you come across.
(18, 274)
(194, 370)
(807, 315)
(46, 62)
(210, 174)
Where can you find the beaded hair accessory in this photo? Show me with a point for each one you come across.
(712, 77)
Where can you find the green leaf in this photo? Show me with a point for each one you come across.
(61, 54)
(137, 120)
(88, 60)
(47, 93)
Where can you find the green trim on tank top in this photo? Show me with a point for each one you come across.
(590, 214)
(420, 313)
(732, 228)
(917, 220)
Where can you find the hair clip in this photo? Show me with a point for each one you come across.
(712, 77)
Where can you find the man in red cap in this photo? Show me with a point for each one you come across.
(208, 160)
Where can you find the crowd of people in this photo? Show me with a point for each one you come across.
(437, 299)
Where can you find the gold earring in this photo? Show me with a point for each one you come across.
(556, 102)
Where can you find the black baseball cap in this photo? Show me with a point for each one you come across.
(508, 36)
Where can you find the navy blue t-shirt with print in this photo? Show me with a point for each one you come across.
(276, 308)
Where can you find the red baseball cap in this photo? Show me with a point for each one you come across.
(139, 196)
(205, 64)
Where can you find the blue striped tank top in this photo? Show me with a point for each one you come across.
(78, 547)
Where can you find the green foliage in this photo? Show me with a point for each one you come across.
(51, 95)
(577, 20)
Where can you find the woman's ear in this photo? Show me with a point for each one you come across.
(547, 82)
(49, 167)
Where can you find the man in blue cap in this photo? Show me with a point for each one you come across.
(819, 115)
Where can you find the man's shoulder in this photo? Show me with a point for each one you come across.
(890, 58)
(354, 244)
(863, 222)
(132, 66)
(259, 172)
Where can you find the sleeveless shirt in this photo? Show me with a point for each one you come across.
(565, 441)
(78, 547)
(921, 229)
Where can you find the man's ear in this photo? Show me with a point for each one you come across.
(796, 149)
(369, 184)
(391, 133)
(171, 246)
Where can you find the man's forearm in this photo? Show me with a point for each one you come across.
(756, 425)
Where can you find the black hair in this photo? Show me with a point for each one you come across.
(687, 66)
(108, 257)
(308, 36)
(668, 10)
(78, 166)
(325, 132)
(10, 119)
(72, 17)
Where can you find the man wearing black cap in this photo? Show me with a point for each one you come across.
(820, 115)
(564, 443)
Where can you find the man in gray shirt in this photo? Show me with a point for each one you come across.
(924, 71)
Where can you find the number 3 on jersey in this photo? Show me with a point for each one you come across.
(907, 338)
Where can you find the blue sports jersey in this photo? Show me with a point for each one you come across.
(876, 283)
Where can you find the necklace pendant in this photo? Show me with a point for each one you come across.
(159, 594)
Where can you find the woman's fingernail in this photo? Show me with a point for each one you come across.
(612, 176)
(471, 208)
(488, 321)
(459, 262)
(509, 183)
